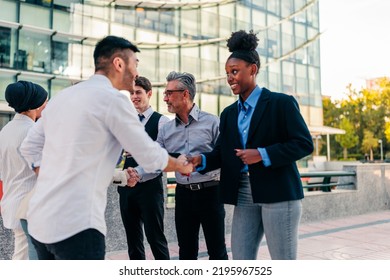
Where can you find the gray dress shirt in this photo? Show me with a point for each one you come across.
(197, 136)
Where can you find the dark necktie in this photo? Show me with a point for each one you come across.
(141, 117)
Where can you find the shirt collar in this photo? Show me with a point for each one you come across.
(193, 115)
(147, 112)
(101, 78)
(252, 99)
(22, 117)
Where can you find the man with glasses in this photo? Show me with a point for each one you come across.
(197, 196)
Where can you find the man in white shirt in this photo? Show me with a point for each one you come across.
(76, 145)
(28, 100)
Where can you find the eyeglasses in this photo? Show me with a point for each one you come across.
(168, 93)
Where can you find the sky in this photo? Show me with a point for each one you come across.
(355, 44)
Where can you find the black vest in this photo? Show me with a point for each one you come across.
(151, 127)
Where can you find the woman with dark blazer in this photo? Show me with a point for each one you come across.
(262, 135)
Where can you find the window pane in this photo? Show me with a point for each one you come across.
(57, 85)
(189, 24)
(6, 46)
(147, 64)
(5, 80)
(60, 57)
(35, 15)
(62, 21)
(74, 68)
(259, 18)
(226, 101)
(209, 25)
(273, 6)
(33, 53)
(190, 65)
(96, 24)
(190, 60)
(88, 65)
(209, 103)
(168, 61)
(8, 10)
(65, 3)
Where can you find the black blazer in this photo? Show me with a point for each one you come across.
(276, 125)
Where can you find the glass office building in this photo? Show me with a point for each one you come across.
(50, 42)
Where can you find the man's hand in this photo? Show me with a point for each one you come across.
(249, 156)
(132, 177)
(183, 166)
(195, 160)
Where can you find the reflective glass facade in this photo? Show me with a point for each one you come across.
(51, 42)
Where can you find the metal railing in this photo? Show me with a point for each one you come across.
(326, 185)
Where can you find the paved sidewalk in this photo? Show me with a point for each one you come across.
(363, 237)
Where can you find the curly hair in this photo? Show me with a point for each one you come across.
(242, 40)
(243, 46)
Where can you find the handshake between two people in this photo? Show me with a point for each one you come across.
(184, 164)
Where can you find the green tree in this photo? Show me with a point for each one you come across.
(366, 109)
(369, 143)
(349, 139)
(331, 112)
(387, 131)
(331, 117)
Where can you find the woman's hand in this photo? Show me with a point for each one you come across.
(248, 156)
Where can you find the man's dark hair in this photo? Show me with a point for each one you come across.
(109, 46)
(144, 83)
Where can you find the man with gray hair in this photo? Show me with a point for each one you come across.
(197, 196)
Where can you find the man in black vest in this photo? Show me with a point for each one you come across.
(144, 203)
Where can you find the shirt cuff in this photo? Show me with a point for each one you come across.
(264, 156)
(140, 173)
(120, 178)
(202, 166)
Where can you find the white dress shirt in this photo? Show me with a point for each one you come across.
(162, 121)
(17, 176)
(148, 113)
(77, 143)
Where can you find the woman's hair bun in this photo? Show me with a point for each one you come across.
(241, 40)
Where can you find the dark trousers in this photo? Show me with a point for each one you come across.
(86, 245)
(144, 205)
(195, 208)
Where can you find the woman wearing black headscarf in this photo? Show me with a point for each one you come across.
(262, 135)
(28, 100)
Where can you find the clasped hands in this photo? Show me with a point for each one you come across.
(182, 165)
(132, 177)
(185, 164)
